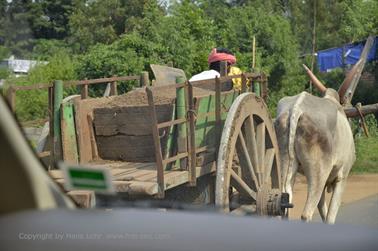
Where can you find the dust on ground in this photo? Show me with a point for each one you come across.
(359, 186)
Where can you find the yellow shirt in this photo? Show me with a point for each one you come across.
(237, 82)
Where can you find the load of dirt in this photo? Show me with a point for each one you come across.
(138, 97)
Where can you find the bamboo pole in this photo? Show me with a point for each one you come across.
(313, 44)
(182, 128)
(192, 141)
(253, 53)
(58, 97)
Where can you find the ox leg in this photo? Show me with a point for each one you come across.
(315, 188)
(335, 202)
(322, 206)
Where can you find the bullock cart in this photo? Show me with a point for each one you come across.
(160, 140)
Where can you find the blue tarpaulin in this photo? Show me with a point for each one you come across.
(348, 54)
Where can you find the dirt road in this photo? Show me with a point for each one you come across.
(359, 188)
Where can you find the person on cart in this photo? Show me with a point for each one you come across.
(214, 60)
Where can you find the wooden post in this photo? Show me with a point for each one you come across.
(144, 79)
(170, 141)
(257, 89)
(218, 88)
(158, 153)
(244, 84)
(84, 91)
(92, 136)
(223, 68)
(11, 97)
(226, 86)
(182, 129)
(218, 126)
(192, 137)
(51, 126)
(362, 118)
(58, 97)
(113, 88)
(264, 89)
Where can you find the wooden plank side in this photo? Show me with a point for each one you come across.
(69, 143)
(129, 120)
(82, 109)
(128, 147)
(205, 126)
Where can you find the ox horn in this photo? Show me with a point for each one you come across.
(315, 80)
(350, 82)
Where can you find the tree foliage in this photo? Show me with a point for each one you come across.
(122, 37)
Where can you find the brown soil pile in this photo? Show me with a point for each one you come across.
(138, 97)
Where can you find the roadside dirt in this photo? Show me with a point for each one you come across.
(359, 186)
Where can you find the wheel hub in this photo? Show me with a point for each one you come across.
(272, 202)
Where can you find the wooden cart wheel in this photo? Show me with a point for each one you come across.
(247, 166)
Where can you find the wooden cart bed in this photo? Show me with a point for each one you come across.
(140, 178)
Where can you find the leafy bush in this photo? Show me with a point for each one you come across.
(45, 49)
(366, 148)
(366, 153)
(4, 73)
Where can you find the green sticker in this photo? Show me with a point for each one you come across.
(87, 178)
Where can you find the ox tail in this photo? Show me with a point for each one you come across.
(292, 164)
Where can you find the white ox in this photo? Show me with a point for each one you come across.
(316, 140)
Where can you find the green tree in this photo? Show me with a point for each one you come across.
(44, 49)
(337, 21)
(188, 36)
(104, 21)
(15, 31)
(359, 19)
(183, 38)
(49, 19)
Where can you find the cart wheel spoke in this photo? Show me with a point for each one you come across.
(245, 161)
(260, 140)
(241, 186)
(249, 128)
(268, 163)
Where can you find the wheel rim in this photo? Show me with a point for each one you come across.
(248, 153)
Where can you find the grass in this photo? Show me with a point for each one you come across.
(34, 123)
(367, 155)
